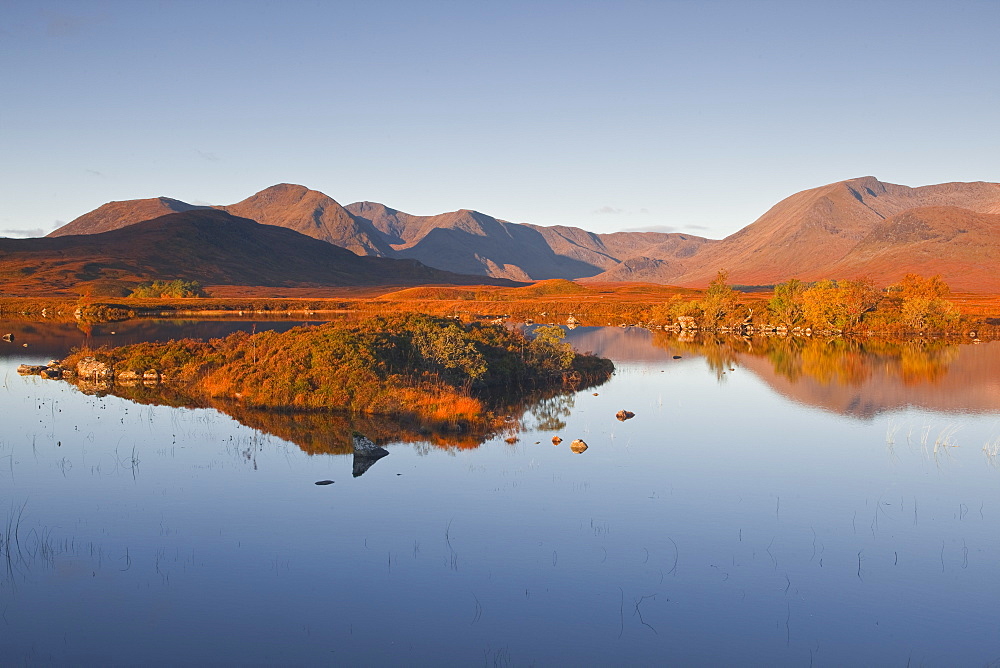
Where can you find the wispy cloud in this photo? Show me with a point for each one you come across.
(20, 234)
(667, 228)
(207, 155)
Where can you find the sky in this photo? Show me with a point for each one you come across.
(671, 116)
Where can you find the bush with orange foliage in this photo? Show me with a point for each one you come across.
(393, 365)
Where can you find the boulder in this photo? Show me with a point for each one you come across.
(9, 338)
(366, 453)
(91, 369)
(29, 369)
(623, 415)
(556, 440)
(578, 446)
(687, 322)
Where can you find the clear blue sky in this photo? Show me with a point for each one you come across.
(690, 116)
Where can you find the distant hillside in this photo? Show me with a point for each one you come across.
(115, 215)
(208, 246)
(313, 214)
(462, 241)
(808, 234)
(835, 231)
(957, 243)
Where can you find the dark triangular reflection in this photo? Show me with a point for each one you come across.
(366, 454)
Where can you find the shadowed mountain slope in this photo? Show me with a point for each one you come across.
(208, 246)
(313, 214)
(478, 243)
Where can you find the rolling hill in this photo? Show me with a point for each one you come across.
(810, 233)
(205, 245)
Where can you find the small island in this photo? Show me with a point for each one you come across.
(430, 369)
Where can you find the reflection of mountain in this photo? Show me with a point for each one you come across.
(621, 344)
(861, 378)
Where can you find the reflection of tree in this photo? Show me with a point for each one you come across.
(840, 361)
(548, 413)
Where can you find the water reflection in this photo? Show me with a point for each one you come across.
(722, 525)
(860, 377)
(333, 433)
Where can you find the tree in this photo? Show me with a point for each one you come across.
(822, 306)
(448, 348)
(549, 350)
(922, 302)
(720, 301)
(839, 304)
(786, 304)
(860, 296)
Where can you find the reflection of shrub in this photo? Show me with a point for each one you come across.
(168, 289)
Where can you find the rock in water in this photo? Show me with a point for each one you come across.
(9, 338)
(578, 446)
(556, 440)
(324, 482)
(623, 415)
(364, 447)
(366, 453)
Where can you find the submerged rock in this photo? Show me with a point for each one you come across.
(29, 369)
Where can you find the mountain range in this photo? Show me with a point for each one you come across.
(206, 245)
(856, 228)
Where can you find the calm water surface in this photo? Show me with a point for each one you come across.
(768, 505)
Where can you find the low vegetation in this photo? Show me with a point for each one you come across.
(430, 367)
(177, 289)
(915, 304)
